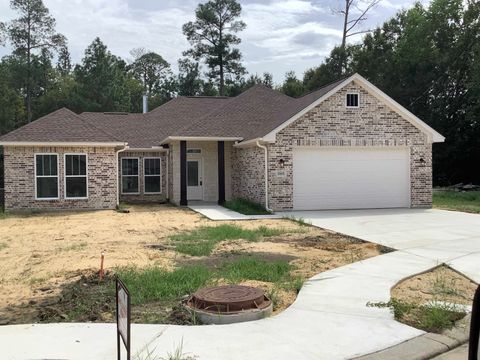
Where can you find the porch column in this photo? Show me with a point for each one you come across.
(183, 173)
(221, 172)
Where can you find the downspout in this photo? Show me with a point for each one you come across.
(266, 174)
(125, 147)
(168, 175)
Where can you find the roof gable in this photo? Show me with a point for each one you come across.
(433, 135)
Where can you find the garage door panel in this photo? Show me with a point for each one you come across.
(350, 178)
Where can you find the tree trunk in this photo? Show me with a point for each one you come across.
(29, 72)
(222, 80)
(343, 58)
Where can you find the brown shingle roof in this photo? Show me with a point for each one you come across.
(62, 125)
(252, 114)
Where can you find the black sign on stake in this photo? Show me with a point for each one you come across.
(123, 317)
(474, 345)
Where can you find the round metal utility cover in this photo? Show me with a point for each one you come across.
(229, 298)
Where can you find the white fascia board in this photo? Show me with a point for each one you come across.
(250, 143)
(200, 138)
(432, 134)
(62, 144)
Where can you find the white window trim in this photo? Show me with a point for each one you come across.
(138, 175)
(352, 93)
(46, 176)
(144, 176)
(72, 176)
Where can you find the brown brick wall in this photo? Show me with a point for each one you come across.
(332, 124)
(248, 170)
(142, 197)
(20, 179)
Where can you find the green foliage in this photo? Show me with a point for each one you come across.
(246, 207)
(292, 86)
(202, 241)
(150, 68)
(213, 37)
(460, 201)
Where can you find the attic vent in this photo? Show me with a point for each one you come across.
(116, 113)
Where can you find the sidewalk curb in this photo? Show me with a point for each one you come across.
(426, 346)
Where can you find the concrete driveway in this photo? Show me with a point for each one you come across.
(443, 236)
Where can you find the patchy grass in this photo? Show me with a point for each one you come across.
(434, 317)
(73, 247)
(3, 246)
(3, 214)
(202, 241)
(468, 201)
(246, 207)
(299, 221)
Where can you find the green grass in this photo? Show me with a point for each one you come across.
(299, 221)
(154, 284)
(202, 241)
(246, 207)
(255, 269)
(3, 214)
(431, 318)
(3, 246)
(468, 201)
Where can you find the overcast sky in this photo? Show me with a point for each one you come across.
(281, 35)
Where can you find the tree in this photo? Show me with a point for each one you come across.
(351, 22)
(64, 61)
(32, 32)
(292, 86)
(12, 108)
(150, 68)
(213, 35)
(190, 82)
(3, 33)
(102, 80)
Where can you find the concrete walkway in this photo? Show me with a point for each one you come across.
(217, 212)
(329, 319)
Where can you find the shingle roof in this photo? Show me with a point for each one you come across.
(252, 114)
(62, 125)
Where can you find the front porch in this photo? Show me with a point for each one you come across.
(201, 170)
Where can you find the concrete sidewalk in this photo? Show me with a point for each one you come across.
(217, 212)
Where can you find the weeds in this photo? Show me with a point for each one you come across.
(433, 317)
(299, 221)
(255, 269)
(3, 246)
(74, 247)
(246, 207)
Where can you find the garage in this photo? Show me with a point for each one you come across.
(351, 178)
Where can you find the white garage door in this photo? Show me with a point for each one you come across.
(351, 178)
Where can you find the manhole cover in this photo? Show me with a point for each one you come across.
(229, 298)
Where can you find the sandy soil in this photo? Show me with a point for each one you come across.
(440, 284)
(41, 253)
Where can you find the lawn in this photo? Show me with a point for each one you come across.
(49, 262)
(468, 201)
(246, 207)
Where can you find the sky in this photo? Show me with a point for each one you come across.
(281, 35)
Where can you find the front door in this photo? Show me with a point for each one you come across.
(194, 180)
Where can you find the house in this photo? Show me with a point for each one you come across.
(345, 146)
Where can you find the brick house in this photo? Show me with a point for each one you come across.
(345, 146)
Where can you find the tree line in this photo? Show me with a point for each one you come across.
(426, 57)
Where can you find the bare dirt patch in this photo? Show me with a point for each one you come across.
(440, 284)
(49, 257)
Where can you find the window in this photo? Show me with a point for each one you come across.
(76, 176)
(194, 151)
(152, 175)
(352, 100)
(130, 176)
(46, 176)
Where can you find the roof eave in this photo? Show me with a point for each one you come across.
(62, 143)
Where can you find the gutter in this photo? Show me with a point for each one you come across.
(125, 147)
(61, 144)
(266, 173)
